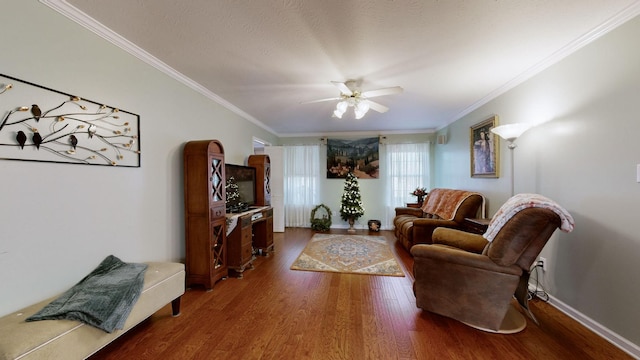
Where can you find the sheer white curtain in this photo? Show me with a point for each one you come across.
(407, 167)
(301, 183)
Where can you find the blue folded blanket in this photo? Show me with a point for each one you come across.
(103, 299)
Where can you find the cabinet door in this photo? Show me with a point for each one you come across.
(216, 181)
(218, 250)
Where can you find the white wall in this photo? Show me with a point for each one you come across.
(58, 221)
(584, 156)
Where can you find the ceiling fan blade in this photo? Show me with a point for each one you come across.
(343, 88)
(381, 92)
(377, 107)
(321, 100)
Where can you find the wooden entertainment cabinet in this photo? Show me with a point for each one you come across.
(215, 241)
(248, 233)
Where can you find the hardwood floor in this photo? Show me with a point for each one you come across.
(278, 313)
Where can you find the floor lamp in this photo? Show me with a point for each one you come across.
(511, 132)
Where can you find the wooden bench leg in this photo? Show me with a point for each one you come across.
(175, 306)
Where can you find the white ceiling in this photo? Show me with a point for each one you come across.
(261, 59)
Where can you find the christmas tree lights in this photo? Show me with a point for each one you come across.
(232, 198)
(351, 203)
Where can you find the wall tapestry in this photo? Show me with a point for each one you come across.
(42, 124)
(484, 149)
(359, 156)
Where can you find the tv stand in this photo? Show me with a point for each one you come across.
(248, 233)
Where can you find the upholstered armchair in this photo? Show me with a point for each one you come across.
(473, 278)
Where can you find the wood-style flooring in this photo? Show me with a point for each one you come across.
(277, 313)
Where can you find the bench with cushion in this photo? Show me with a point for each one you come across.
(164, 282)
(441, 208)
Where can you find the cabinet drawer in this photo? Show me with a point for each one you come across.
(246, 237)
(245, 221)
(247, 252)
(217, 212)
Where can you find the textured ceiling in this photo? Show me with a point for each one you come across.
(263, 58)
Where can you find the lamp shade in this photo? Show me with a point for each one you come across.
(510, 132)
(341, 107)
(361, 108)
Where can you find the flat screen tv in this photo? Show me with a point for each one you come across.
(245, 178)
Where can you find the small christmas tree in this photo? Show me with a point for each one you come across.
(351, 207)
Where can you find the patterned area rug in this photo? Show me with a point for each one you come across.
(355, 254)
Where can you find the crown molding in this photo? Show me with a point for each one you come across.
(372, 133)
(91, 24)
(616, 20)
(73, 13)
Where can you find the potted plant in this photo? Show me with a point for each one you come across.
(420, 193)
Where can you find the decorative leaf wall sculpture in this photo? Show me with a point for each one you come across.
(59, 127)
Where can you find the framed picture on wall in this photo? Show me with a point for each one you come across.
(484, 149)
(359, 156)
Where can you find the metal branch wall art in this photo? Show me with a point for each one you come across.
(41, 124)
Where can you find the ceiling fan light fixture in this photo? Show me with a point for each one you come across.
(361, 109)
(350, 96)
(341, 108)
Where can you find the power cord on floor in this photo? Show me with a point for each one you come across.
(539, 291)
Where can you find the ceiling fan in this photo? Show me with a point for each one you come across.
(351, 95)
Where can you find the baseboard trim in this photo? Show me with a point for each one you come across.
(617, 340)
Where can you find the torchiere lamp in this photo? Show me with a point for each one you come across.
(511, 132)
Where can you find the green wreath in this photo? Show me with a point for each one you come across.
(323, 223)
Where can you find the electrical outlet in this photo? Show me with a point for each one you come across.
(543, 262)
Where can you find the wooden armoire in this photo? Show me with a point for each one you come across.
(204, 211)
(263, 232)
(262, 163)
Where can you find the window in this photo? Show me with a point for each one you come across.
(301, 183)
(406, 167)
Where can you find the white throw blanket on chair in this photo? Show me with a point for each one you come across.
(522, 201)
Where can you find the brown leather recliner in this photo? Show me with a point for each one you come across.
(442, 208)
(466, 277)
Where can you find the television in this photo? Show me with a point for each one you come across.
(245, 178)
